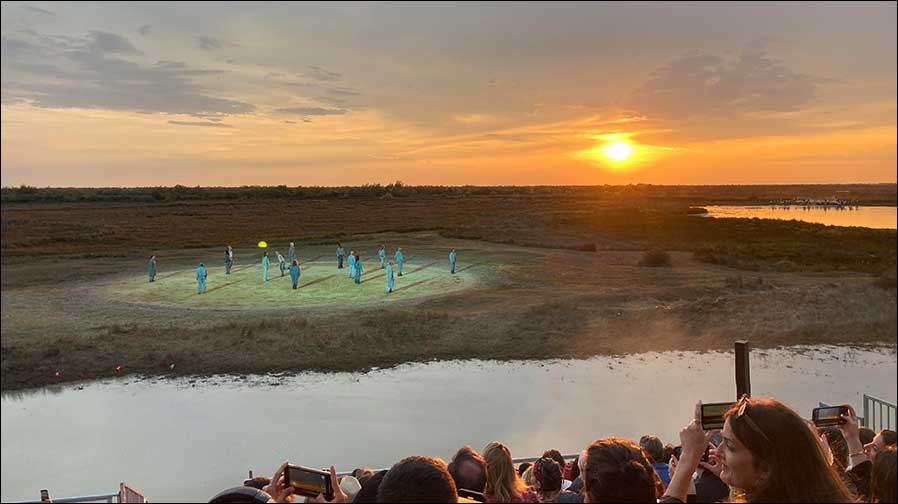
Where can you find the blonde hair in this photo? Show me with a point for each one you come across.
(502, 482)
(529, 478)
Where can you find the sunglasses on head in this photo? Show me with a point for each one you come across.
(742, 414)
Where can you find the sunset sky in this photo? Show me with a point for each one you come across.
(122, 94)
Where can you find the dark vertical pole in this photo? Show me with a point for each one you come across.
(743, 370)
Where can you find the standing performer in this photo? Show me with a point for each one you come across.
(282, 263)
(340, 255)
(452, 261)
(291, 254)
(265, 263)
(382, 253)
(389, 275)
(351, 264)
(151, 268)
(358, 269)
(294, 273)
(201, 279)
(399, 259)
(229, 260)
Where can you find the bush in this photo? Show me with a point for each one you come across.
(655, 258)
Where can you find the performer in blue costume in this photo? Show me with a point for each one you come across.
(382, 253)
(399, 260)
(358, 269)
(201, 279)
(452, 261)
(294, 273)
(389, 275)
(340, 254)
(351, 264)
(265, 263)
(151, 268)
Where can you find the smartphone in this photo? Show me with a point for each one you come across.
(829, 415)
(309, 482)
(678, 452)
(45, 495)
(712, 414)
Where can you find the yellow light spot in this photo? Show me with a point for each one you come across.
(618, 151)
(262, 244)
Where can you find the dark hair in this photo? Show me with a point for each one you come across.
(368, 492)
(787, 450)
(617, 471)
(523, 468)
(259, 482)
(837, 446)
(882, 481)
(417, 479)
(362, 474)
(468, 469)
(866, 434)
(575, 468)
(889, 437)
(547, 472)
(556, 456)
(652, 447)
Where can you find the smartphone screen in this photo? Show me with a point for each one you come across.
(828, 416)
(308, 482)
(712, 415)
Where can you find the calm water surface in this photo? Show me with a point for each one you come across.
(177, 439)
(871, 217)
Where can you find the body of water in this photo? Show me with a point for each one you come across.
(187, 439)
(879, 217)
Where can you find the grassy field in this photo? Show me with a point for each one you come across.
(541, 276)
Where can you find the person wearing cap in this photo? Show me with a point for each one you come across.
(201, 279)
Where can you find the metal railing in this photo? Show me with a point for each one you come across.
(110, 497)
(874, 418)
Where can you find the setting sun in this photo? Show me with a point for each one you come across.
(618, 151)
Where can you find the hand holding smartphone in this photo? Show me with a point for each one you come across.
(712, 415)
(309, 482)
(830, 416)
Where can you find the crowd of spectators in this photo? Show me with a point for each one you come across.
(766, 452)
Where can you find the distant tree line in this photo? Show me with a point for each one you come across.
(884, 194)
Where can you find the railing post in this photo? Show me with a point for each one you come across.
(866, 413)
(743, 370)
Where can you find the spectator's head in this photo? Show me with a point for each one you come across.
(368, 493)
(259, 482)
(771, 453)
(837, 446)
(555, 455)
(866, 434)
(575, 468)
(468, 469)
(362, 474)
(523, 468)
(350, 486)
(882, 481)
(502, 482)
(528, 477)
(668, 452)
(653, 448)
(883, 439)
(615, 470)
(418, 479)
(547, 474)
